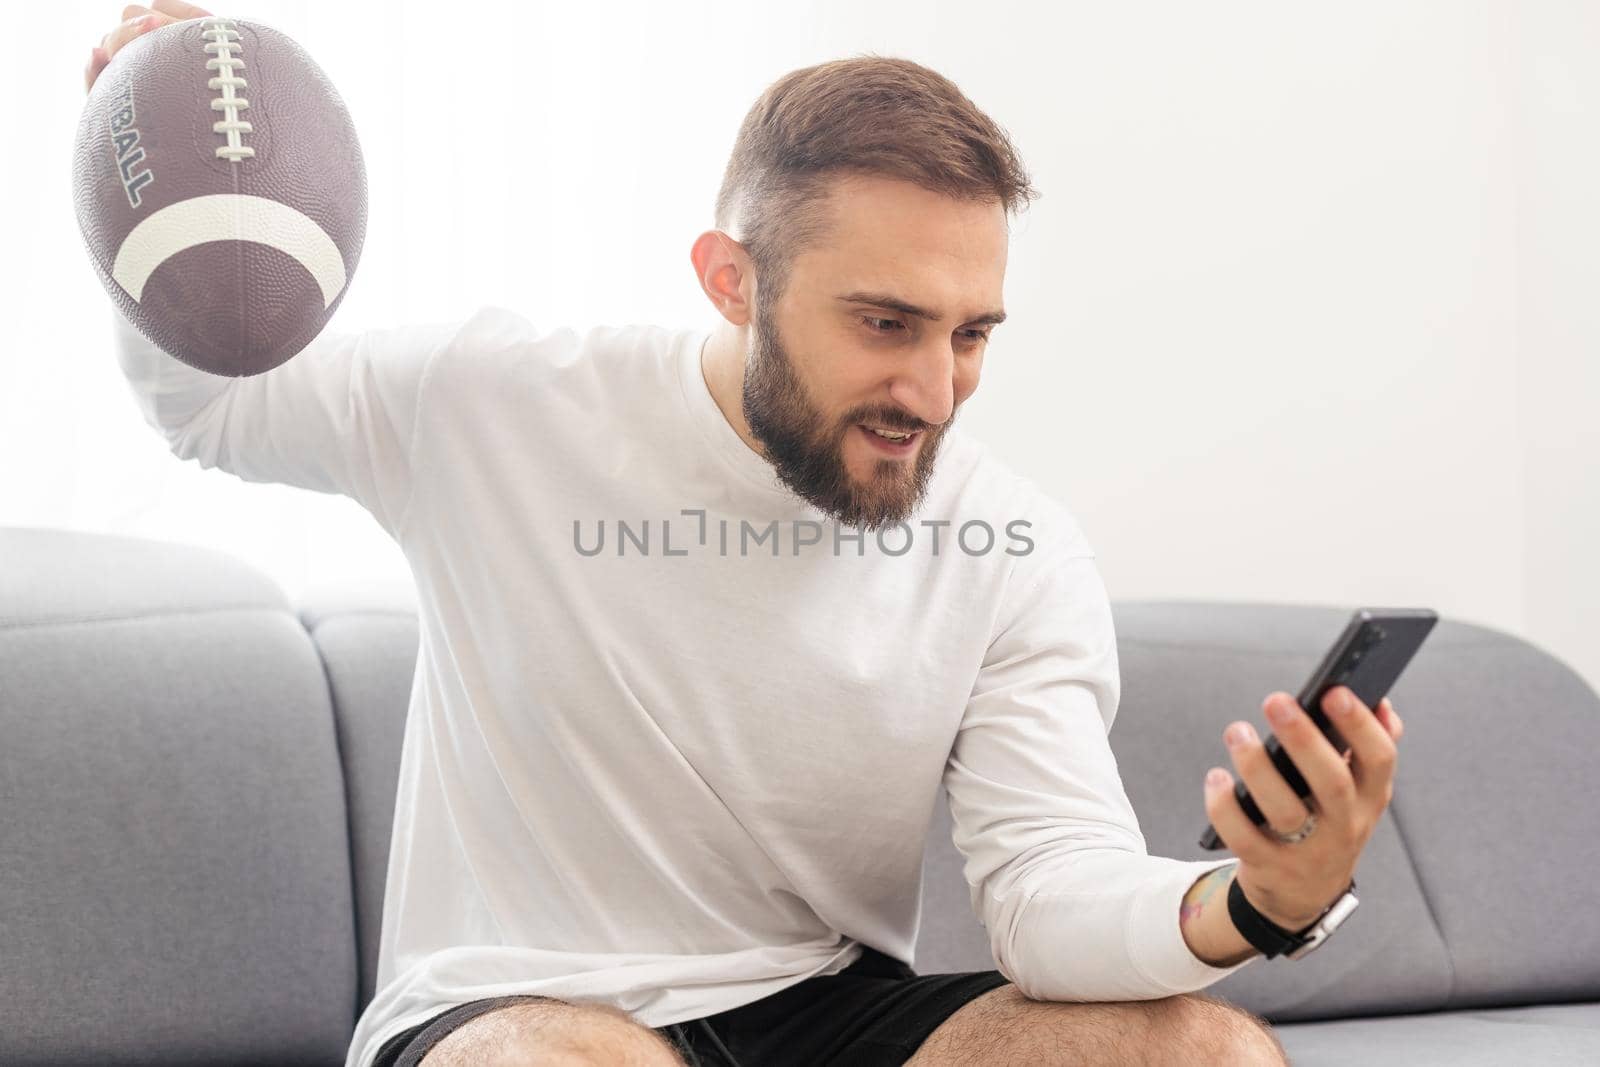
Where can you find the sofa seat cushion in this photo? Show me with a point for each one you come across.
(1551, 1035)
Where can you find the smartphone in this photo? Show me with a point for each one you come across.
(1368, 657)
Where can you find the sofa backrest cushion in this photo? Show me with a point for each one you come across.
(174, 855)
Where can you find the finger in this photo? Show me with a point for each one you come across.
(1282, 806)
(179, 10)
(1241, 836)
(133, 11)
(1391, 719)
(1373, 760)
(1333, 787)
(117, 38)
(91, 70)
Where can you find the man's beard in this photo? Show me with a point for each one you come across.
(808, 453)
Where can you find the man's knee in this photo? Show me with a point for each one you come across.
(555, 1032)
(1217, 1028)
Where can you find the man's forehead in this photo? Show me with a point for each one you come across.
(894, 245)
(941, 229)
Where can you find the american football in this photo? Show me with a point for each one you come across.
(220, 190)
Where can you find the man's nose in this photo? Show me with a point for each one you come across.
(925, 386)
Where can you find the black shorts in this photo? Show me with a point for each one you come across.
(874, 1013)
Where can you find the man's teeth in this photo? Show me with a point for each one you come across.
(889, 435)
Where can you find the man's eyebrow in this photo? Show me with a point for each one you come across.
(884, 300)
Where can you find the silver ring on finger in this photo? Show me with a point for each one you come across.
(1299, 833)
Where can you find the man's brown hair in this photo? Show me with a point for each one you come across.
(868, 114)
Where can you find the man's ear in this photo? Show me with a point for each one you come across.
(723, 269)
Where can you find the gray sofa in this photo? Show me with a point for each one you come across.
(197, 783)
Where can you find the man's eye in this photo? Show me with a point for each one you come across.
(973, 335)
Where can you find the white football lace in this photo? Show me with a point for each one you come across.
(221, 39)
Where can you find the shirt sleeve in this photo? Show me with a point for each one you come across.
(337, 417)
(1075, 907)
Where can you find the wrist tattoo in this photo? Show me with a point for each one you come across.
(1213, 884)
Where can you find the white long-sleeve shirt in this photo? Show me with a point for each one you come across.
(697, 766)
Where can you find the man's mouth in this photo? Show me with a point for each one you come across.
(893, 435)
(894, 442)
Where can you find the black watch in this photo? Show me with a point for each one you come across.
(1272, 939)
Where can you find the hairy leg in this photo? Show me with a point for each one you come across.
(553, 1032)
(1002, 1027)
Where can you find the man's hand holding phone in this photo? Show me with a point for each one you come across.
(1292, 884)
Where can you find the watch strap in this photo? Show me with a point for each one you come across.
(1268, 937)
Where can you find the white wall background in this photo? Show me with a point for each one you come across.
(1306, 312)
